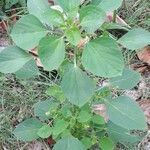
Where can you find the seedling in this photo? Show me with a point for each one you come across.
(66, 40)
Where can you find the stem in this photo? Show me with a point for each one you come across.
(114, 16)
(75, 57)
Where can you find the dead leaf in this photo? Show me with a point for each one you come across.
(145, 106)
(101, 110)
(144, 55)
(37, 146)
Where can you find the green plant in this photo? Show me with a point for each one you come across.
(69, 44)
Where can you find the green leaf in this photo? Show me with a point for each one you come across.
(106, 144)
(12, 59)
(27, 130)
(66, 112)
(127, 80)
(38, 8)
(69, 143)
(56, 92)
(92, 18)
(125, 112)
(51, 52)
(84, 116)
(73, 35)
(109, 6)
(119, 134)
(87, 142)
(97, 119)
(95, 2)
(77, 86)
(29, 70)
(54, 17)
(41, 108)
(135, 39)
(59, 126)
(103, 57)
(45, 131)
(70, 7)
(27, 32)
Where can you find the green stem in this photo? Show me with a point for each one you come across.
(114, 16)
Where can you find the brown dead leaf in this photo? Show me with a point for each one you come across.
(144, 55)
(145, 106)
(101, 110)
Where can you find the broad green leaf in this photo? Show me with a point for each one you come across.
(119, 134)
(29, 70)
(51, 52)
(84, 116)
(54, 17)
(27, 32)
(59, 126)
(43, 107)
(38, 8)
(109, 6)
(135, 39)
(69, 143)
(103, 57)
(97, 119)
(87, 142)
(70, 7)
(91, 18)
(56, 92)
(127, 80)
(45, 131)
(12, 59)
(73, 35)
(77, 86)
(95, 2)
(126, 113)
(106, 143)
(27, 130)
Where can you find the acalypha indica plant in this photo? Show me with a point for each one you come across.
(75, 40)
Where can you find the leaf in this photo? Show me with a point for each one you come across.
(77, 86)
(97, 119)
(38, 8)
(12, 59)
(84, 116)
(87, 142)
(65, 111)
(41, 108)
(144, 55)
(119, 134)
(56, 92)
(125, 113)
(70, 7)
(110, 6)
(54, 17)
(69, 143)
(27, 32)
(135, 39)
(106, 144)
(128, 80)
(103, 57)
(27, 130)
(59, 127)
(73, 35)
(51, 52)
(45, 131)
(29, 70)
(91, 18)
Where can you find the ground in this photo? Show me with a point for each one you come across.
(17, 98)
